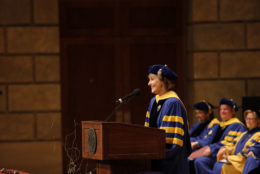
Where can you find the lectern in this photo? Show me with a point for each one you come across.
(121, 148)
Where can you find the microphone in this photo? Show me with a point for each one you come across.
(121, 100)
(135, 92)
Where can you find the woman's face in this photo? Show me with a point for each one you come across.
(156, 84)
(226, 112)
(251, 121)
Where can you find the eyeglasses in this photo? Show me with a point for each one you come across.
(250, 118)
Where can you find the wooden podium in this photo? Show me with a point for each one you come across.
(121, 148)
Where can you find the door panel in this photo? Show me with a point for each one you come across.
(106, 49)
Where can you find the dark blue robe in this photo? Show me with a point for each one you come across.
(173, 119)
(231, 129)
(207, 134)
(241, 147)
(253, 163)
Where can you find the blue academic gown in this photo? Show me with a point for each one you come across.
(208, 133)
(252, 164)
(231, 129)
(173, 119)
(241, 147)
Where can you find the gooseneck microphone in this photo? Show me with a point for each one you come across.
(120, 101)
(135, 92)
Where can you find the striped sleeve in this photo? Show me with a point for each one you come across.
(146, 123)
(173, 124)
(147, 117)
(228, 137)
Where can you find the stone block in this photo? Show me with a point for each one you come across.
(189, 65)
(46, 11)
(32, 157)
(16, 69)
(49, 126)
(239, 10)
(2, 48)
(16, 126)
(33, 39)
(190, 39)
(15, 11)
(218, 36)
(253, 35)
(240, 64)
(205, 65)
(213, 91)
(2, 98)
(42, 97)
(253, 87)
(47, 68)
(202, 10)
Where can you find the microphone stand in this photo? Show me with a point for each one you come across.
(113, 112)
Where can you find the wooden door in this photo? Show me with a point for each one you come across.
(106, 49)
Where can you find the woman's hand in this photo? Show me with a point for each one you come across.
(221, 153)
(250, 154)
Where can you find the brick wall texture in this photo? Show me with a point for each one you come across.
(30, 104)
(223, 44)
(223, 49)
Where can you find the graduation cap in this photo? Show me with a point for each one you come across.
(250, 110)
(257, 111)
(204, 105)
(229, 102)
(163, 71)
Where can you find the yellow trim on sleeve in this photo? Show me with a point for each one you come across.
(226, 143)
(147, 114)
(174, 141)
(234, 133)
(175, 130)
(173, 119)
(227, 138)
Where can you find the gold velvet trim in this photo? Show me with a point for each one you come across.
(174, 141)
(224, 124)
(175, 130)
(213, 122)
(173, 119)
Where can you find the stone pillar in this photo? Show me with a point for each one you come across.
(223, 51)
(30, 106)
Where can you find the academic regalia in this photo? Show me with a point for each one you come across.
(236, 153)
(171, 116)
(208, 133)
(231, 129)
(252, 164)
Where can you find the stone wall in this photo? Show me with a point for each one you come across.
(30, 118)
(223, 50)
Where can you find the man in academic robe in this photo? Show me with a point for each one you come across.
(231, 127)
(203, 132)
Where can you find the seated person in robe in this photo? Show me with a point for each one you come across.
(252, 164)
(203, 132)
(231, 127)
(232, 158)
